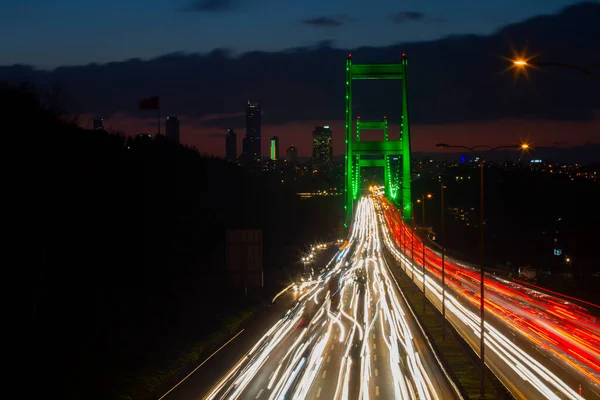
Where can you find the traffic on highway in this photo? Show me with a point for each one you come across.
(539, 344)
(350, 334)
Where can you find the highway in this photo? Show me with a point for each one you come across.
(540, 345)
(348, 334)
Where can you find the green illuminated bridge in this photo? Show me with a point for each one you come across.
(397, 187)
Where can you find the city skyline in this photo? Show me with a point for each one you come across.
(472, 100)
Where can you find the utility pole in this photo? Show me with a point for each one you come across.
(482, 280)
(443, 235)
(412, 253)
(474, 150)
(424, 272)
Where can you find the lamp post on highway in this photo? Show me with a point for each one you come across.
(412, 251)
(443, 240)
(422, 201)
(523, 63)
(403, 237)
(476, 152)
(424, 272)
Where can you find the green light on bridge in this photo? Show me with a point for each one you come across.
(355, 149)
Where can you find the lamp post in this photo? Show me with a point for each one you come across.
(424, 272)
(412, 251)
(487, 150)
(522, 63)
(443, 240)
(422, 201)
(403, 237)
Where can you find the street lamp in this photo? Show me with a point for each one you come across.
(422, 201)
(443, 240)
(424, 262)
(486, 150)
(403, 238)
(522, 63)
(424, 272)
(412, 250)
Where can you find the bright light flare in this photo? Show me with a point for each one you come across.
(525, 146)
(520, 62)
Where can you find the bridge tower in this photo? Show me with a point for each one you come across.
(399, 190)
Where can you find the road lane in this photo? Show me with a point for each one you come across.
(348, 335)
(528, 360)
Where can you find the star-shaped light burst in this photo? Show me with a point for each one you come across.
(520, 62)
(525, 146)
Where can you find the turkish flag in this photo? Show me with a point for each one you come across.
(151, 103)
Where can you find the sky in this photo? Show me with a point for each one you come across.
(206, 59)
(51, 33)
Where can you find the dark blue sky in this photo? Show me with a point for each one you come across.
(49, 33)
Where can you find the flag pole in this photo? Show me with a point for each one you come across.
(159, 120)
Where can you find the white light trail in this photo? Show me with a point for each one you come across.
(293, 351)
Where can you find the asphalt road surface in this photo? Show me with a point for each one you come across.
(540, 345)
(343, 333)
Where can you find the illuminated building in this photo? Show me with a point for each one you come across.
(252, 141)
(230, 145)
(322, 146)
(292, 155)
(172, 129)
(274, 148)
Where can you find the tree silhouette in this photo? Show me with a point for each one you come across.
(128, 238)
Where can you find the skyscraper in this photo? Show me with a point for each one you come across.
(249, 152)
(292, 155)
(274, 148)
(172, 129)
(252, 146)
(322, 146)
(231, 146)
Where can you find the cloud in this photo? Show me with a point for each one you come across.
(325, 22)
(208, 6)
(453, 80)
(407, 16)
